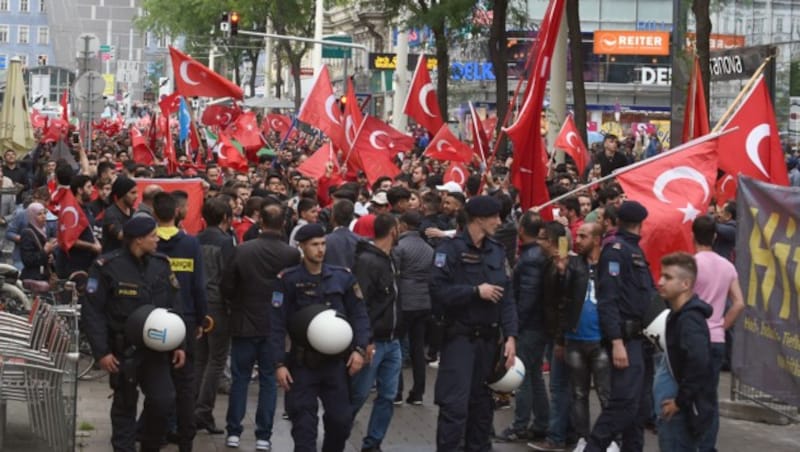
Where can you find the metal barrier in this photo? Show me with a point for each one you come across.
(741, 391)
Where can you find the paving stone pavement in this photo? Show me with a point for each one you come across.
(413, 428)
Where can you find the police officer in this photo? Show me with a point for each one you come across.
(303, 373)
(119, 283)
(471, 290)
(624, 287)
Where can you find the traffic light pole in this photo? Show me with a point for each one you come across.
(349, 45)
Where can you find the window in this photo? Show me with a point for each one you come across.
(779, 25)
(44, 36)
(24, 59)
(24, 6)
(42, 6)
(24, 35)
(42, 60)
(3, 5)
(3, 33)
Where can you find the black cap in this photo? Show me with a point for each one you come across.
(309, 231)
(483, 206)
(138, 226)
(631, 212)
(121, 187)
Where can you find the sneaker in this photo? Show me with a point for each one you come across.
(232, 441)
(613, 447)
(263, 444)
(414, 400)
(434, 364)
(398, 400)
(580, 446)
(546, 445)
(511, 435)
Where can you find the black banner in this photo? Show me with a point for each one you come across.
(766, 353)
(739, 63)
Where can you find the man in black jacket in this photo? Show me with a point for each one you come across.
(249, 282)
(686, 399)
(212, 347)
(377, 276)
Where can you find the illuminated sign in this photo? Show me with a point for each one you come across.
(629, 42)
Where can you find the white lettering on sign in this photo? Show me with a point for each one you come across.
(655, 75)
(635, 40)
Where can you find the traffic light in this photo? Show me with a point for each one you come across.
(224, 23)
(234, 19)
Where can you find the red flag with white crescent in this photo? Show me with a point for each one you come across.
(457, 172)
(445, 146)
(219, 115)
(726, 189)
(71, 219)
(229, 156)
(569, 140)
(353, 117)
(385, 138)
(421, 103)
(314, 166)
(193, 78)
(320, 110)
(141, 153)
(374, 162)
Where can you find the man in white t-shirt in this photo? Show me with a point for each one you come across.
(717, 282)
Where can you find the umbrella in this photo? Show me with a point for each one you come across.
(16, 131)
(595, 137)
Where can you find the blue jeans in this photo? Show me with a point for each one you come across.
(532, 393)
(673, 435)
(709, 441)
(245, 352)
(384, 371)
(560, 400)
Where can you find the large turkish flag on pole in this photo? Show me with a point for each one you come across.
(353, 117)
(755, 148)
(193, 78)
(569, 140)
(675, 189)
(320, 110)
(695, 120)
(445, 146)
(421, 103)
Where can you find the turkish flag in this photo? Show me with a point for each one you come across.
(320, 110)
(528, 173)
(141, 153)
(445, 146)
(170, 103)
(192, 78)
(675, 189)
(456, 172)
(374, 162)
(421, 103)
(65, 105)
(54, 130)
(569, 140)
(314, 166)
(278, 123)
(385, 138)
(229, 156)
(489, 125)
(37, 120)
(480, 142)
(755, 148)
(353, 117)
(245, 130)
(193, 223)
(219, 115)
(71, 219)
(725, 189)
(695, 120)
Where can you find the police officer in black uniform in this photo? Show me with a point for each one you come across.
(471, 291)
(624, 288)
(119, 283)
(303, 373)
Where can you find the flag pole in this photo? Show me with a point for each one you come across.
(193, 126)
(476, 135)
(693, 95)
(747, 88)
(623, 170)
(355, 140)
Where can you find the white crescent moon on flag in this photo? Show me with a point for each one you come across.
(329, 109)
(444, 142)
(74, 213)
(457, 170)
(184, 73)
(373, 139)
(423, 99)
(227, 117)
(754, 138)
(274, 123)
(570, 136)
(681, 172)
(350, 130)
(725, 181)
(220, 154)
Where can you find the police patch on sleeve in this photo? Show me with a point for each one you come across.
(613, 268)
(91, 285)
(440, 260)
(277, 299)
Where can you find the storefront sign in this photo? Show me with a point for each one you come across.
(472, 70)
(717, 41)
(737, 64)
(655, 75)
(385, 61)
(628, 42)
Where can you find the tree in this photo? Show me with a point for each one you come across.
(576, 51)
(498, 54)
(702, 46)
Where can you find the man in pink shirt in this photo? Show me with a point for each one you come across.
(717, 282)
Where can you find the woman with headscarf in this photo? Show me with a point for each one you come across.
(35, 249)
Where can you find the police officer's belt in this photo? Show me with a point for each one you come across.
(491, 331)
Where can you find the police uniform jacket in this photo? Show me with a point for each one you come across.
(624, 283)
(335, 287)
(118, 284)
(459, 267)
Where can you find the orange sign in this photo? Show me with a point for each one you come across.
(717, 41)
(628, 42)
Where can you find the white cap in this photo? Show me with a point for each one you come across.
(450, 187)
(380, 198)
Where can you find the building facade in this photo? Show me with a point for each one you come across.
(25, 33)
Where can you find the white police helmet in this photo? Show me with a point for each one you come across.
(509, 380)
(329, 333)
(155, 328)
(654, 322)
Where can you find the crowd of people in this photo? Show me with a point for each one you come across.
(425, 271)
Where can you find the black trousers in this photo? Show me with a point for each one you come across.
(153, 375)
(415, 324)
(212, 352)
(185, 393)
